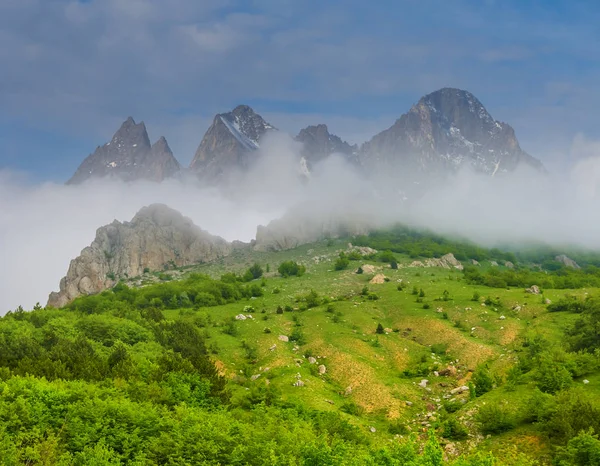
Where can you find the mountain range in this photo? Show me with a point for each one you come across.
(442, 132)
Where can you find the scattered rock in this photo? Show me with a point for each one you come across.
(322, 369)
(254, 377)
(330, 402)
(448, 371)
(509, 264)
(459, 390)
(494, 263)
(298, 383)
(474, 262)
(408, 403)
(348, 390)
(534, 289)
(547, 301)
(423, 383)
(240, 317)
(362, 250)
(283, 338)
(502, 317)
(272, 348)
(312, 360)
(372, 429)
(586, 381)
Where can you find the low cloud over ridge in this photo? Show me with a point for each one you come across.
(43, 227)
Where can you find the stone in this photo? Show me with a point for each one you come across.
(586, 381)
(423, 383)
(377, 279)
(273, 348)
(372, 429)
(459, 390)
(240, 317)
(534, 289)
(322, 369)
(502, 317)
(283, 338)
(298, 383)
(312, 360)
(255, 376)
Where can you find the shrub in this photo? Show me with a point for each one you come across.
(482, 380)
(476, 297)
(279, 310)
(380, 330)
(421, 293)
(359, 270)
(342, 262)
(495, 418)
(291, 268)
(454, 430)
(352, 408)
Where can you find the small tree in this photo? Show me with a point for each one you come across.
(380, 330)
(359, 270)
(421, 293)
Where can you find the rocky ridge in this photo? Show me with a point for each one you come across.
(158, 236)
(129, 157)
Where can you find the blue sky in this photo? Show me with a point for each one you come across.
(72, 71)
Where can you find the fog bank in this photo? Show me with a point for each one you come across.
(43, 227)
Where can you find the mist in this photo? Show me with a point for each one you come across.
(44, 226)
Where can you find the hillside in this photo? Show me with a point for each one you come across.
(245, 361)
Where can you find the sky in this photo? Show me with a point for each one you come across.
(72, 71)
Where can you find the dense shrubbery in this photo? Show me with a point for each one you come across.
(291, 268)
(562, 278)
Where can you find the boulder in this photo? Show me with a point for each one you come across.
(377, 279)
(534, 289)
(283, 338)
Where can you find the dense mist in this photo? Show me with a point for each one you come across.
(43, 227)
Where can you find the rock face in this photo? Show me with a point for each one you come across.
(298, 227)
(318, 143)
(443, 131)
(229, 143)
(157, 236)
(129, 157)
(567, 261)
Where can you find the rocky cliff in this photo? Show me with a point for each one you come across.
(157, 236)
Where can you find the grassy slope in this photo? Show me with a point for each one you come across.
(371, 364)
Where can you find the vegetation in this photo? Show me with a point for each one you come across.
(225, 364)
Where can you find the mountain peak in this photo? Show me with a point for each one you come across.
(129, 156)
(318, 143)
(229, 141)
(444, 130)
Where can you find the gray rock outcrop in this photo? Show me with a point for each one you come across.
(129, 157)
(158, 236)
(567, 261)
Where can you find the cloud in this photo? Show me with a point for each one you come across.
(44, 226)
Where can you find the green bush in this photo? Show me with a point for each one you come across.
(495, 418)
(291, 268)
(341, 262)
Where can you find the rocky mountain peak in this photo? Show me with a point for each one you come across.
(229, 141)
(443, 131)
(158, 236)
(318, 143)
(129, 156)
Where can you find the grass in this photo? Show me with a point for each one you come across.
(366, 369)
